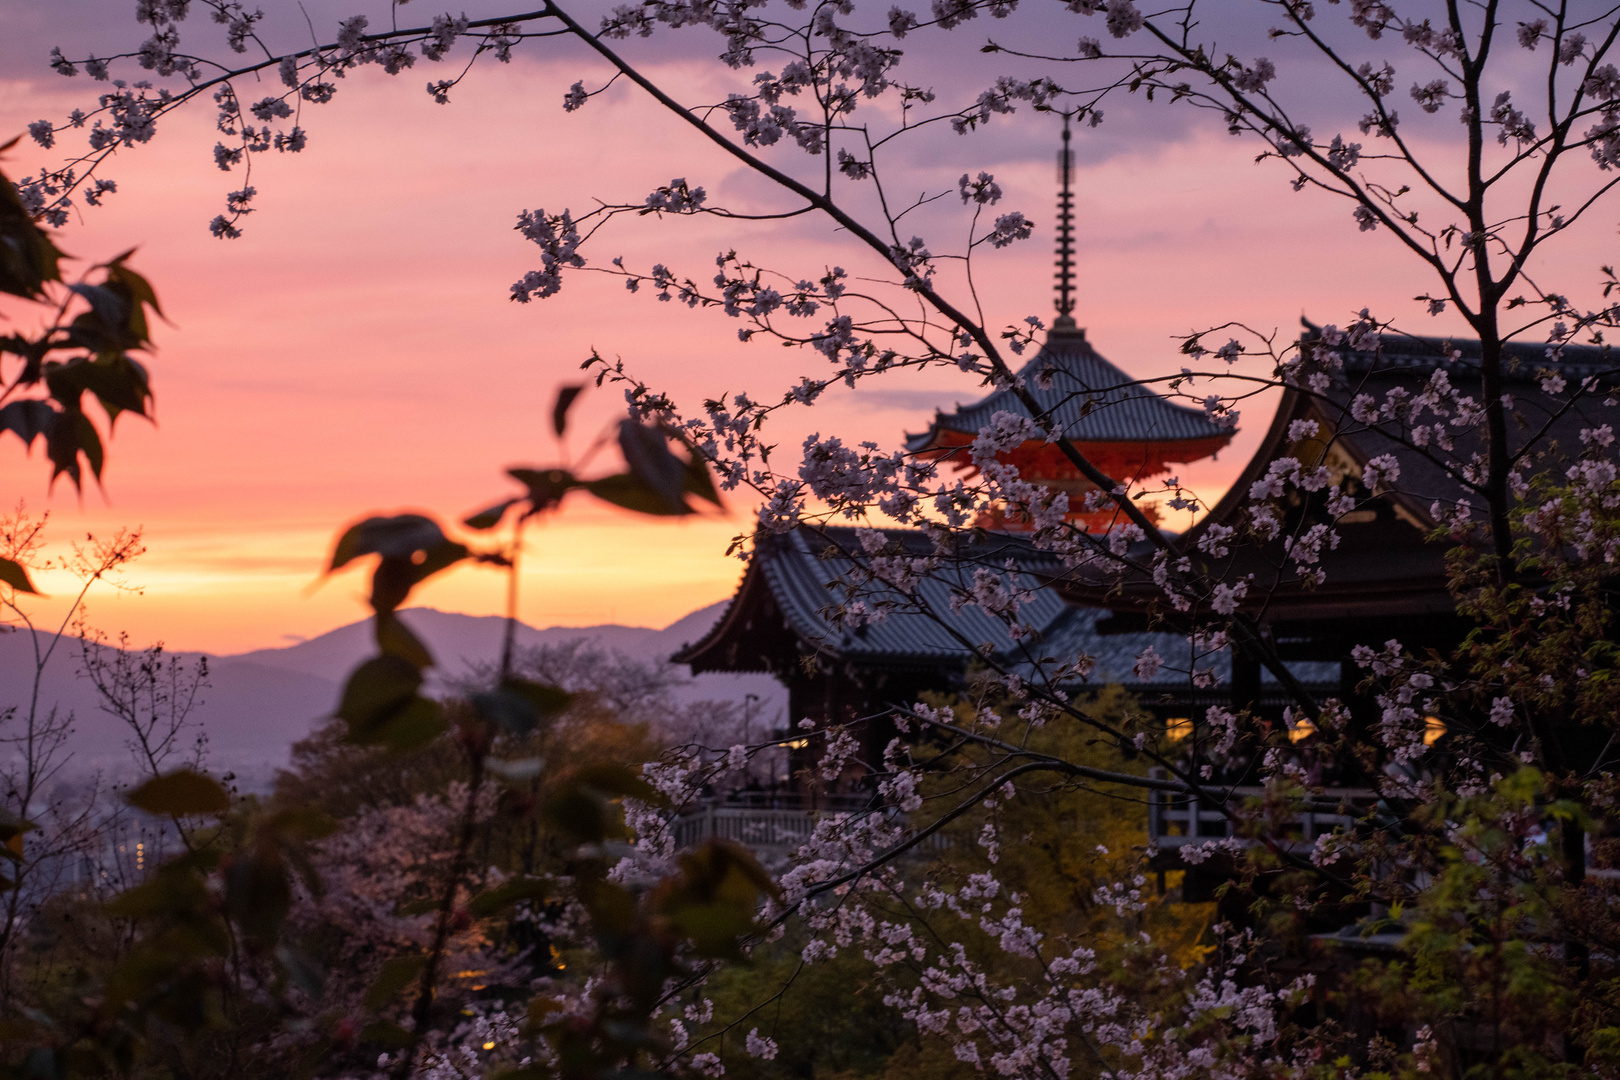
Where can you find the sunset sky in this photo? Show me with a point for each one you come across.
(356, 351)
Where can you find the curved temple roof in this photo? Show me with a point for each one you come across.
(1094, 401)
(781, 610)
(807, 572)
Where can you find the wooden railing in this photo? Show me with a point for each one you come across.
(761, 830)
(1176, 821)
(773, 828)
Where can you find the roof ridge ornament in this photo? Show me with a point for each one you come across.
(1064, 323)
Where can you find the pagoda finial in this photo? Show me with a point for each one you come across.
(1065, 235)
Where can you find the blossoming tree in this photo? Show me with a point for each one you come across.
(1484, 792)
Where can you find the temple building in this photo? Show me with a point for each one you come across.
(789, 618)
(791, 615)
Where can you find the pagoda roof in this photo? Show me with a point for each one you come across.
(1094, 401)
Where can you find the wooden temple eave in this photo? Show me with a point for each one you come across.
(755, 635)
(1342, 453)
(1383, 567)
(749, 637)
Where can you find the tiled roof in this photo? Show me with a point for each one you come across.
(1115, 655)
(1093, 400)
(809, 570)
(1403, 353)
(1405, 362)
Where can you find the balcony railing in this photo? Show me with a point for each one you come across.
(1176, 821)
(773, 826)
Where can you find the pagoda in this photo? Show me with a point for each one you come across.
(1118, 424)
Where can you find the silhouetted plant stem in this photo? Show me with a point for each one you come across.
(510, 638)
(474, 738)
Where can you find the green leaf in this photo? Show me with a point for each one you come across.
(302, 971)
(714, 899)
(169, 893)
(611, 906)
(397, 574)
(45, 1063)
(301, 823)
(396, 974)
(546, 486)
(29, 419)
(28, 258)
(714, 929)
(180, 793)
(508, 710)
(16, 575)
(489, 517)
(615, 779)
(12, 830)
(400, 536)
(382, 707)
(377, 688)
(559, 412)
(519, 704)
(503, 896)
(582, 805)
(415, 725)
(646, 452)
(698, 481)
(547, 700)
(632, 493)
(139, 291)
(104, 327)
(71, 434)
(120, 385)
(258, 893)
(394, 638)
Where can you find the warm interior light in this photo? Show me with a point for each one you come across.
(1178, 727)
(1302, 730)
(796, 744)
(489, 1046)
(1433, 728)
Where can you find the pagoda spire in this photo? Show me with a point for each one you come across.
(1065, 235)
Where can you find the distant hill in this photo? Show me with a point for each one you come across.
(258, 703)
(456, 640)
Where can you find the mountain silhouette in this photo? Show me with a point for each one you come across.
(257, 704)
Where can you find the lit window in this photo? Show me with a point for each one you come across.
(1301, 731)
(1433, 728)
(1178, 728)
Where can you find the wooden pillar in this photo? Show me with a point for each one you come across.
(1245, 681)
